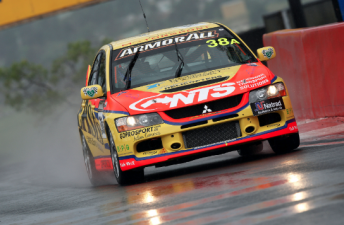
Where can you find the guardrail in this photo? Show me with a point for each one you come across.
(311, 61)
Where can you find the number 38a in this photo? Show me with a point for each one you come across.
(222, 41)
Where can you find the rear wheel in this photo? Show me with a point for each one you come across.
(123, 177)
(251, 150)
(93, 174)
(285, 143)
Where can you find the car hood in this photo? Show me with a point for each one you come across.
(194, 89)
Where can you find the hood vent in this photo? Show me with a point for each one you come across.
(194, 85)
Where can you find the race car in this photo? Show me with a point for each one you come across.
(179, 94)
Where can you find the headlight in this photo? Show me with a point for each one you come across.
(271, 91)
(136, 122)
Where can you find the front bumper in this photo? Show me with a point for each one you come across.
(131, 162)
(171, 132)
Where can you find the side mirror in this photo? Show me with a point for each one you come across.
(266, 53)
(91, 92)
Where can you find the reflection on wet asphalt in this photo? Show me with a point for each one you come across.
(302, 187)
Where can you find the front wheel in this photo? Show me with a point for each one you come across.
(284, 144)
(123, 177)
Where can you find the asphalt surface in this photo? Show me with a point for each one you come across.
(305, 186)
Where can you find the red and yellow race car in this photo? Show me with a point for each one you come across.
(178, 94)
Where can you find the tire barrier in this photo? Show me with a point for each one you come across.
(310, 61)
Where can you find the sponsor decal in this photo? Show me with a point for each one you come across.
(122, 92)
(185, 98)
(153, 86)
(124, 164)
(268, 53)
(267, 106)
(251, 64)
(290, 111)
(194, 76)
(253, 82)
(90, 91)
(251, 71)
(133, 96)
(206, 109)
(131, 50)
(122, 148)
(151, 152)
(190, 82)
(163, 151)
(142, 131)
(146, 135)
(208, 114)
(293, 128)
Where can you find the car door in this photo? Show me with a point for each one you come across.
(90, 123)
(97, 105)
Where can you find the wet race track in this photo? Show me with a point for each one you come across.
(302, 187)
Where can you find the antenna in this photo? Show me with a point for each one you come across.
(144, 16)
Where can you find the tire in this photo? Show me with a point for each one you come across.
(123, 177)
(284, 144)
(251, 150)
(93, 175)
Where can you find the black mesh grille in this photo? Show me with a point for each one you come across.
(196, 110)
(212, 134)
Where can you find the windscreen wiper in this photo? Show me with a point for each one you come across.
(127, 76)
(181, 65)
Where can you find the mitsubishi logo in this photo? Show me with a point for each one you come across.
(206, 109)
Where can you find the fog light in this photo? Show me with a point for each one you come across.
(175, 145)
(250, 129)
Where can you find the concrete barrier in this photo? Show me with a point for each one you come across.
(311, 62)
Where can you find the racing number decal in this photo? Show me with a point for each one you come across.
(222, 41)
(213, 43)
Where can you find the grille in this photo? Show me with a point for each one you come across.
(212, 134)
(196, 110)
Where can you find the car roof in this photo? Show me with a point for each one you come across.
(151, 36)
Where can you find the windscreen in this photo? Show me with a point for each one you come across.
(158, 60)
